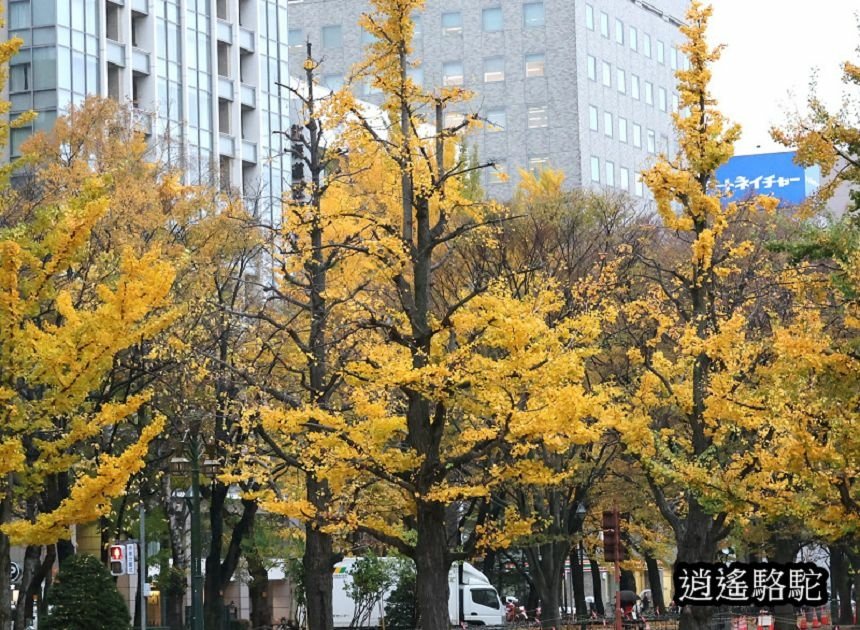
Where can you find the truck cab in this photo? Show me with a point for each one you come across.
(472, 599)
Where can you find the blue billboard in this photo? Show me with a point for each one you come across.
(768, 174)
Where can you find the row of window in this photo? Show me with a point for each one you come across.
(492, 20)
(636, 43)
(638, 89)
(631, 134)
(499, 173)
(607, 177)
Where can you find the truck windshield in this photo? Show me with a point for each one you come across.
(485, 597)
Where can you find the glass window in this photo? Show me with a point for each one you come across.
(604, 24)
(649, 93)
(675, 103)
(533, 14)
(367, 37)
(494, 69)
(640, 191)
(592, 68)
(607, 124)
(496, 119)
(646, 45)
(652, 141)
(595, 169)
(416, 74)
(45, 68)
(661, 99)
(16, 138)
(452, 73)
(537, 115)
(416, 26)
(623, 178)
(661, 53)
(19, 78)
(637, 136)
(452, 23)
(610, 173)
(621, 80)
(607, 74)
(19, 15)
(296, 38)
(537, 164)
(634, 86)
(332, 37)
(453, 119)
(589, 17)
(633, 38)
(592, 118)
(619, 31)
(622, 129)
(492, 19)
(485, 597)
(535, 65)
(664, 144)
(673, 58)
(44, 13)
(333, 81)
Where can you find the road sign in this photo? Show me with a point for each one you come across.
(131, 558)
(15, 571)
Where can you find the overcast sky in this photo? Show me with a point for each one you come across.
(772, 47)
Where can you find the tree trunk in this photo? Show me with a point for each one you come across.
(628, 581)
(318, 564)
(258, 591)
(597, 587)
(784, 615)
(841, 585)
(432, 564)
(655, 583)
(697, 543)
(578, 578)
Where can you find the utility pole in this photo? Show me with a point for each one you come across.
(142, 564)
(614, 551)
(196, 542)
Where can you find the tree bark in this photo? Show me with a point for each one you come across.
(655, 583)
(697, 541)
(578, 578)
(628, 581)
(841, 584)
(597, 587)
(432, 564)
(784, 614)
(318, 563)
(258, 591)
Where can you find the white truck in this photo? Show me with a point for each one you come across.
(471, 598)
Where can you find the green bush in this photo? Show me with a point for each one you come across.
(85, 597)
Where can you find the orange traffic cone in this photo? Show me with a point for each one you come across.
(742, 623)
(815, 622)
(802, 624)
(825, 618)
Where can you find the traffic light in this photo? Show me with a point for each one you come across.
(117, 559)
(613, 548)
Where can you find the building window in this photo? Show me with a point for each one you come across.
(619, 32)
(675, 103)
(535, 65)
(417, 75)
(367, 37)
(533, 14)
(333, 81)
(494, 69)
(19, 78)
(295, 37)
(607, 124)
(637, 135)
(452, 73)
(592, 68)
(634, 86)
(452, 23)
(673, 58)
(332, 37)
(623, 178)
(499, 172)
(622, 129)
(610, 173)
(496, 119)
(652, 141)
(607, 74)
(19, 15)
(661, 53)
(538, 117)
(416, 26)
(662, 100)
(592, 118)
(453, 119)
(589, 17)
(633, 39)
(492, 19)
(537, 164)
(621, 80)
(664, 144)
(595, 169)
(649, 93)
(604, 24)
(646, 45)
(640, 192)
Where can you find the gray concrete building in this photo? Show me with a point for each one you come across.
(585, 87)
(200, 75)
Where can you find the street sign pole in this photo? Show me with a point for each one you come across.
(617, 522)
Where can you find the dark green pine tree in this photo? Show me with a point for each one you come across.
(85, 597)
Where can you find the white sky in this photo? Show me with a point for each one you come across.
(772, 48)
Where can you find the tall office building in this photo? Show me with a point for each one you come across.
(200, 74)
(585, 87)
